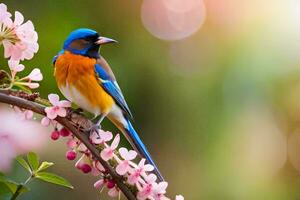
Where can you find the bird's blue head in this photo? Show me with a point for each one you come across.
(85, 42)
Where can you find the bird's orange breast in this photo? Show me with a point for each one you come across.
(76, 74)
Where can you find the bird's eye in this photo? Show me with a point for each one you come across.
(79, 44)
(85, 41)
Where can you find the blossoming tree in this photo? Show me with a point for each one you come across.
(118, 169)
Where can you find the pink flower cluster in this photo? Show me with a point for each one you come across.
(138, 175)
(19, 39)
(28, 81)
(20, 42)
(58, 108)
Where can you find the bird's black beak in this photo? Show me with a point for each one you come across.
(105, 40)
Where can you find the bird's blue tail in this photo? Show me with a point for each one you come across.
(139, 146)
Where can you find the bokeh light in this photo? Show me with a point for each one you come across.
(173, 19)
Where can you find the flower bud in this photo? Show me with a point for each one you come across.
(64, 132)
(110, 184)
(85, 168)
(55, 135)
(71, 155)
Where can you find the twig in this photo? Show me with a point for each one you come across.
(5, 97)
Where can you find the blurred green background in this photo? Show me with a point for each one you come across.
(218, 110)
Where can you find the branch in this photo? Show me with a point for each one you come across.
(6, 97)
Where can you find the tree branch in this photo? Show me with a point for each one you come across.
(6, 97)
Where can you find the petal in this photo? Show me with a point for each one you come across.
(115, 142)
(122, 168)
(35, 75)
(161, 187)
(19, 19)
(123, 152)
(94, 137)
(33, 85)
(106, 136)
(132, 179)
(19, 68)
(98, 184)
(127, 155)
(113, 192)
(64, 103)
(131, 155)
(12, 64)
(28, 114)
(72, 143)
(95, 172)
(148, 168)
(61, 112)
(51, 114)
(106, 154)
(54, 99)
(142, 163)
(179, 197)
(151, 178)
(45, 121)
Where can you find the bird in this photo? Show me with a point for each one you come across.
(85, 78)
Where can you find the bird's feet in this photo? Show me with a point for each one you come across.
(94, 128)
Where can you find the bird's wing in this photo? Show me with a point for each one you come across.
(111, 86)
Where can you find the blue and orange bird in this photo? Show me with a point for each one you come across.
(85, 78)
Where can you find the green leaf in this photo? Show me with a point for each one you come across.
(24, 164)
(11, 185)
(4, 190)
(45, 165)
(53, 178)
(2, 177)
(33, 160)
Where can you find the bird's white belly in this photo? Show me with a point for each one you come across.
(75, 96)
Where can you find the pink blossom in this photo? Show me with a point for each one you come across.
(159, 189)
(15, 140)
(136, 173)
(108, 152)
(4, 15)
(35, 75)
(147, 189)
(124, 166)
(19, 39)
(101, 137)
(15, 66)
(58, 108)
